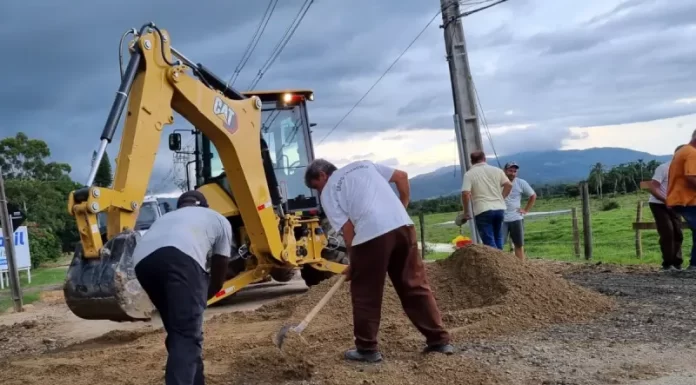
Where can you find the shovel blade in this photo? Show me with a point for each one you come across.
(280, 337)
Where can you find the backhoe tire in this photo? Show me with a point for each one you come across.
(282, 275)
(313, 277)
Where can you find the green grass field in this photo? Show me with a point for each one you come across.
(549, 237)
(41, 278)
(552, 237)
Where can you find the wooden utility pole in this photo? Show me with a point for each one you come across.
(460, 76)
(421, 222)
(10, 255)
(466, 123)
(576, 232)
(586, 219)
(639, 241)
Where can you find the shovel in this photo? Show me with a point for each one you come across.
(280, 337)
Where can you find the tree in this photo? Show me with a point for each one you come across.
(24, 158)
(42, 188)
(596, 173)
(104, 176)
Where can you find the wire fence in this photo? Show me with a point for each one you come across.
(554, 230)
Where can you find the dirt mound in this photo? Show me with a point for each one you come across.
(481, 292)
(26, 337)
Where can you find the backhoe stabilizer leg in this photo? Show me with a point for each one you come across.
(325, 265)
(106, 287)
(239, 282)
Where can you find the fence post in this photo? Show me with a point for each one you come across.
(576, 232)
(586, 220)
(639, 240)
(421, 220)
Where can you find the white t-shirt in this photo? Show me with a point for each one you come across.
(485, 182)
(661, 175)
(360, 191)
(513, 201)
(196, 231)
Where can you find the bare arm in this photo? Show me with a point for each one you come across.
(530, 203)
(655, 190)
(466, 198)
(507, 187)
(400, 179)
(218, 273)
(223, 249)
(348, 234)
(348, 231)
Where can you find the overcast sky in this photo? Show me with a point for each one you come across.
(550, 74)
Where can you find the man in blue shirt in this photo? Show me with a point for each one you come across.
(513, 220)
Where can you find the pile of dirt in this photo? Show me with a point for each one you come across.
(481, 293)
(33, 335)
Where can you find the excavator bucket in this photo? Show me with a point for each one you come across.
(106, 287)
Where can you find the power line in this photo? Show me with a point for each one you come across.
(254, 41)
(485, 122)
(381, 77)
(289, 32)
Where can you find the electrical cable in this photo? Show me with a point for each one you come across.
(381, 77)
(289, 32)
(485, 122)
(254, 41)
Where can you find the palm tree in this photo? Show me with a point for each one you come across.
(596, 173)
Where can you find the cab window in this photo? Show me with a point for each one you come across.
(284, 132)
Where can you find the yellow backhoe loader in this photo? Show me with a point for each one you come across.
(250, 155)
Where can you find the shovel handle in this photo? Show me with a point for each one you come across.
(308, 318)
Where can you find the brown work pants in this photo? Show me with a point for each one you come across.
(668, 225)
(394, 253)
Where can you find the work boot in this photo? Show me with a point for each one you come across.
(357, 355)
(439, 348)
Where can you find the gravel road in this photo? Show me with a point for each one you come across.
(649, 339)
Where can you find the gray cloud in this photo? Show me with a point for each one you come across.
(617, 65)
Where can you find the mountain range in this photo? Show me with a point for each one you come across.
(539, 167)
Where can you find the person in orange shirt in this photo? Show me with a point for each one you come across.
(681, 189)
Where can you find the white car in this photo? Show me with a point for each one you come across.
(147, 215)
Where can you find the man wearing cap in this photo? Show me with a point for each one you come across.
(513, 221)
(170, 264)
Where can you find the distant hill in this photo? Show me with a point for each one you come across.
(536, 167)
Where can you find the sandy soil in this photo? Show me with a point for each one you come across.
(512, 324)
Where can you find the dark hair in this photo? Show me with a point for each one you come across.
(679, 147)
(477, 157)
(316, 168)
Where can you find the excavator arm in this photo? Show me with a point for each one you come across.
(101, 283)
(156, 87)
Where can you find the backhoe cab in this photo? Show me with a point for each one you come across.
(287, 151)
(251, 151)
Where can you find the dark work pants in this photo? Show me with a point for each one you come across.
(668, 225)
(689, 215)
(396, 254)
(178, 287)
(490, 225)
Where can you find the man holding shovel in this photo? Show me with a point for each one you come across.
(380, 239)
